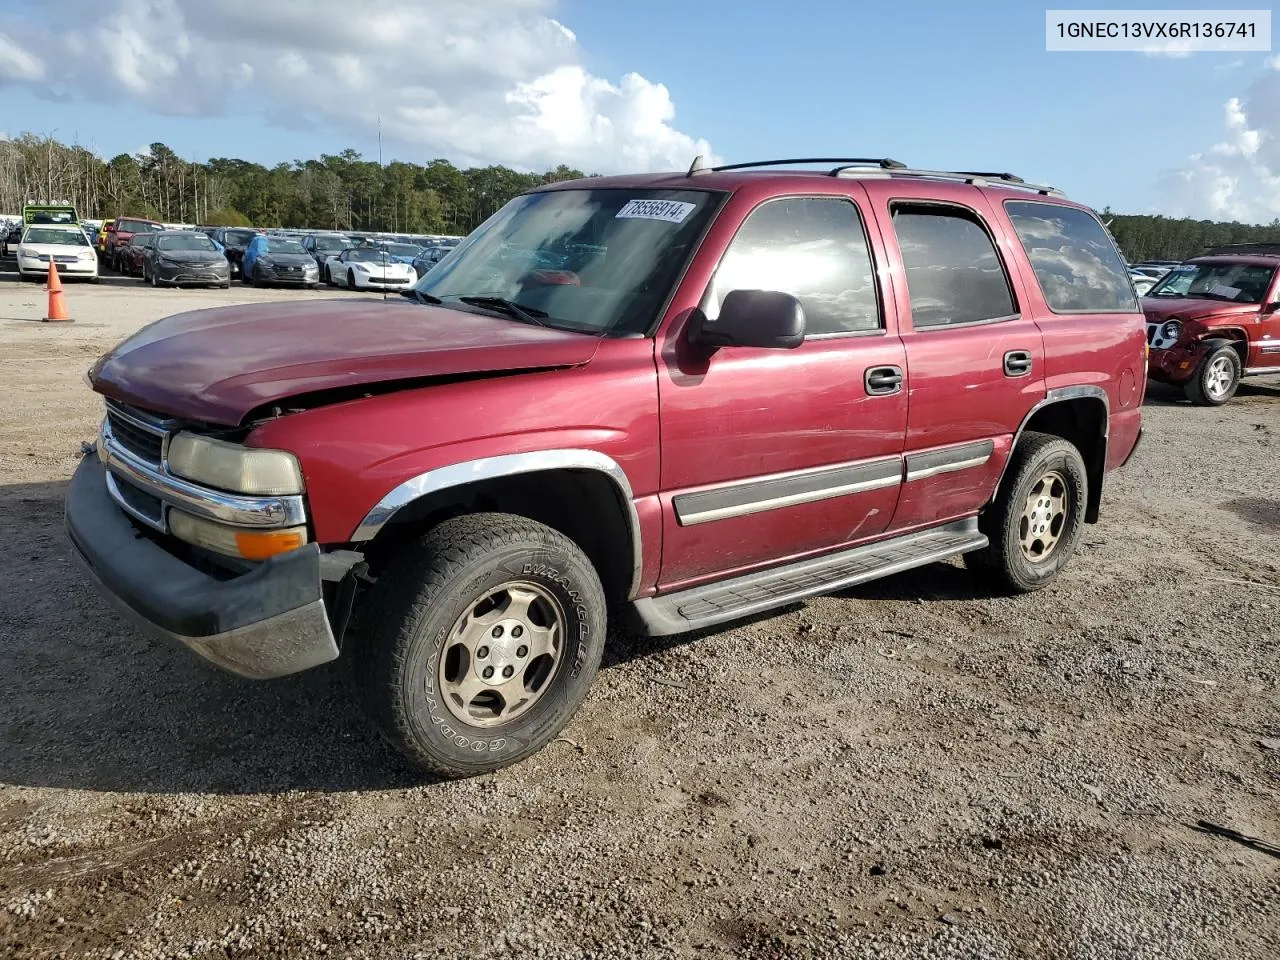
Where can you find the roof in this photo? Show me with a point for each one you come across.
(1256, 259)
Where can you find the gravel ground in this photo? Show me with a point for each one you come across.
(909, 769)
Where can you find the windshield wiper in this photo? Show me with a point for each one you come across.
(420, 296)
(510, 308)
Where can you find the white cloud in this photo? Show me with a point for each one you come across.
(1237, 178)
(478, 81)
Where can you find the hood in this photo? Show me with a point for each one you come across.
(55, 249)
(218, 365)
(191, 256)
(1160, 309)
(288, 259)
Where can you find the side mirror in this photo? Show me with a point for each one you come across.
(753, 318)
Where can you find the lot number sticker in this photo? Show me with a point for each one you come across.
(672, 211)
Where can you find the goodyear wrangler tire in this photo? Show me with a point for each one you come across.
(1037, 517)
(480, 644)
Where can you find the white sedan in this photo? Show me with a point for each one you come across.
(367, 268)
(64, 244)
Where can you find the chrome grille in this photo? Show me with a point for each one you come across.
(139, 433)
(139, 503)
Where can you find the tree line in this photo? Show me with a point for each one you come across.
(345, 191)
(341, 191)
(1151, 237)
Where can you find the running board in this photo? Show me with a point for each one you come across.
(742, 596)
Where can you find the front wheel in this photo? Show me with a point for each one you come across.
(483, 641)
(351, 280)
(1216, 379)
(1036, 519)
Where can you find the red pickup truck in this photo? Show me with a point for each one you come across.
(1214, 320)
(676, 398)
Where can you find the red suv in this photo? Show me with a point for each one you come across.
(679, 398)
(1215, 319)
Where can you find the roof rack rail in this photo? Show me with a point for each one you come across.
(884, 163)
(1256, 248)
(973, 177)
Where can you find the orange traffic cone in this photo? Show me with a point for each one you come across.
(57, 305)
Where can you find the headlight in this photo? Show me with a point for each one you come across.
(230, 466)
(1171, 330)
(363, 266)
(234, 541)
(85, 255)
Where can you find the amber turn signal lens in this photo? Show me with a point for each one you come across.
(259, 545)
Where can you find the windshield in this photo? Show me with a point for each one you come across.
(239, 238)
(193, 241)
(367, 255)
(69, 238)
(284, 246)
(402, 249)
(597, 261)
(1235, 282)
(136, 226)
(332, 243)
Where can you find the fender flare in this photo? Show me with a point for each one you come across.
(1063, 395)
(507, 465)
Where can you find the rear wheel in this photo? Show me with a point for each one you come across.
(482, 643)
(1216, 379)
(1036, 519)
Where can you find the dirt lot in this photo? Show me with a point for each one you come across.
(910, 769)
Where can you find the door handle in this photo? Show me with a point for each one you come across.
(1017, 363)
(882, 381)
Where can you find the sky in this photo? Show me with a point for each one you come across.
(613, 86)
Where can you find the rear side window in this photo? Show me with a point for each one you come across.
(953, 273)
(1075, 260)
(813, 248)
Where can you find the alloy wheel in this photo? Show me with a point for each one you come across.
(1218, 377)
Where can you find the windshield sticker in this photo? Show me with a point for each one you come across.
(672, 211)
(1222, 290)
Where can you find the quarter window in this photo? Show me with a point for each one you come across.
(813, 248)
(953, 273)
(1075, 261)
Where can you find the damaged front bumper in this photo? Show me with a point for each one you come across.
(268, 622)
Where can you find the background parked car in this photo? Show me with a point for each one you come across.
(429, 257)
(130, 255)
(365, 268)
(279, 259)
(177, 257)
(12, 236)
(121, 231)
(64, 244)
(234, 241)
(104, 232)
(322, 246)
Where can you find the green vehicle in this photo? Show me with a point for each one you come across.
(49, 213)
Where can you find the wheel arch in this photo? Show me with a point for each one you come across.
(1080, 415)
(583, 494)
(1232, 337)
